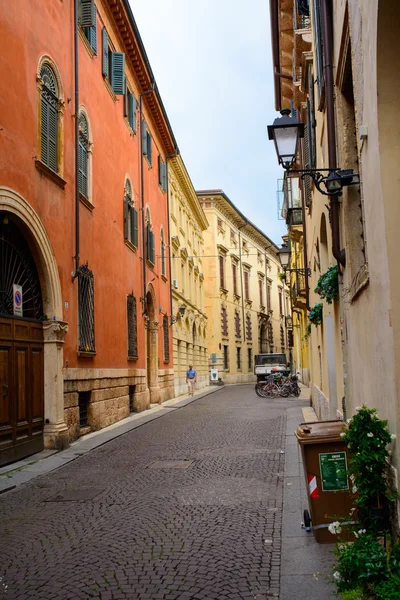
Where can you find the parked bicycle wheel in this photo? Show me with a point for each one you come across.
(284, 391)
(258, 389)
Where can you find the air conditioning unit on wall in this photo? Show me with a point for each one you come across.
(175, 283)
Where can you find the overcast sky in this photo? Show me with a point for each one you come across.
(213, 67)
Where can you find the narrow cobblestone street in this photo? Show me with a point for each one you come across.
(188, 506)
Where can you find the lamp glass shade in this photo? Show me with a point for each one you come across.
(182, 310)
(333, 182)
(286, 139)
(284, 256)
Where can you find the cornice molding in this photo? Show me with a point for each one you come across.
(183, 180)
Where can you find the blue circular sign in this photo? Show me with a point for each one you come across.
(18, 298)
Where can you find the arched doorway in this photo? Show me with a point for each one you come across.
(152, 347)
(21, 346)
(30, 344)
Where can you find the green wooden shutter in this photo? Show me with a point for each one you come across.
(126, 218)
(87, 14)
(152, 249)
(149, 149)
(134, 109)
(44, 132)
(131, 112)
(82, 174)
(126, 95)
(104, 43)
(52, 138)
(117, 72)
(160, 180)
(165, 175)
(144, 138)
(134, 220)
(91, 33)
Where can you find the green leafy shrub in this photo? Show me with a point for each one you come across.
(360, 565)
(367, 437)
(356, 594)
(388, 590)
(328, 285)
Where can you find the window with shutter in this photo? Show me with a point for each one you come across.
(105, 53)
(166, 338)
(144, 138)
(226, 358)
(132, 327)
(221, 271)
(224, 321)
(260, 288)
(268, 296)
(280, 303)
(234, 277)
(162, 248)
(306, 165)
(239, 358)
(49, 118)
(237, 324)
(318, 44)
(149, 148)
(250, 358)
(162, 174)
(134, 226)
(249, 333)
(246, 285)
(86, 13)
(90, 28)
(83, 155)
(86, 341)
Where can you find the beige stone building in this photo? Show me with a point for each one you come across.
(335, 64)
(245, 300)
(187, 224)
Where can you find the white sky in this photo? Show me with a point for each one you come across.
(213, 67)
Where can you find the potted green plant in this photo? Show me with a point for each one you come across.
(315, 314)
(328, 285)
(282, 276)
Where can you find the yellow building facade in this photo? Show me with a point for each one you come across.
(246, 302)
(189, 330)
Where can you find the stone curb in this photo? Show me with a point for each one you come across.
(25, 471)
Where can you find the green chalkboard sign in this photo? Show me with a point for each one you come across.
(333, 467)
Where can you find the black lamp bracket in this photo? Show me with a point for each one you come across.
(317, 175)
(306, 271)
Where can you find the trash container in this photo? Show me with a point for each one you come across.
(325, 467)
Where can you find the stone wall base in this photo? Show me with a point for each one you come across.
(320, 403)
(181, 387)
(230, 378)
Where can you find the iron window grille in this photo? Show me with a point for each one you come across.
(132, 326)
(248, 328)
(49, 118)
(282, 339)
(250, 358)
(83, 402)
(239, 358)
(166, 338)
(86, 309)
(226, 358)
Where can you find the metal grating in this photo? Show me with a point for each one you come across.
(86, 309)
(132, 327)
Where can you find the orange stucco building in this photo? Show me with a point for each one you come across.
(85, 302)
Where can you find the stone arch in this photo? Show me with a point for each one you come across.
(46, 59)
(54, 329)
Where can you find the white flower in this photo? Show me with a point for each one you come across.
(352, 477)
(348, 420)
(357, 408)
(336, 576)
(355, 534)
(390, 452)
(393, 436)
(361, 531)
(335, 527)
(354, 489)
(342, 435)
(352, 510)
(369, 434)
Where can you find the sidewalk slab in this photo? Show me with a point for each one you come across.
(15, 474)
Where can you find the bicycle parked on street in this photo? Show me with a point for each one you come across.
(278, 386)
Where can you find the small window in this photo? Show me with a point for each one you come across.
(221, 271)
(86, 310)
(113, 65)
(268, 296)
(83, 155)
(150, 240)
(166, 338)
(132, 393)
(246, 285)
(249, 333)
(226, 358)
(261, 291)
(237, 325)
(162, 248)
(224, 322)
(132, 327)
(49, 118)
(280, 303)
(220, 224)
(162, 174)
(234, 276)
(239, 358)
(83, 403)
(250, 358)
(130, 217)
(147, 143)
(130, 107)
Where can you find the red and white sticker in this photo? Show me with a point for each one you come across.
(312, 486)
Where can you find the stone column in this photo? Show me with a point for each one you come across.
(55, 430)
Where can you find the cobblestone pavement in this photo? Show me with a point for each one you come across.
(186, 507)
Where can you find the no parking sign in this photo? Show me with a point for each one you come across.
(17, 295)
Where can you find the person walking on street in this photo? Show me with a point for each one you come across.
(191, 378)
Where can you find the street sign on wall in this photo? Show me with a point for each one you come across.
(17, 300)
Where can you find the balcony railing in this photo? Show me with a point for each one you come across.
(301, 15)
(294, 217)
(298, 288)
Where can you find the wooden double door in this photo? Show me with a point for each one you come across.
(21, 388)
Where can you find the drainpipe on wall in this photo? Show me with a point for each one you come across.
(327, 35)
(144, 241)
(76, 70)
(241, 280)
(167, 159)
